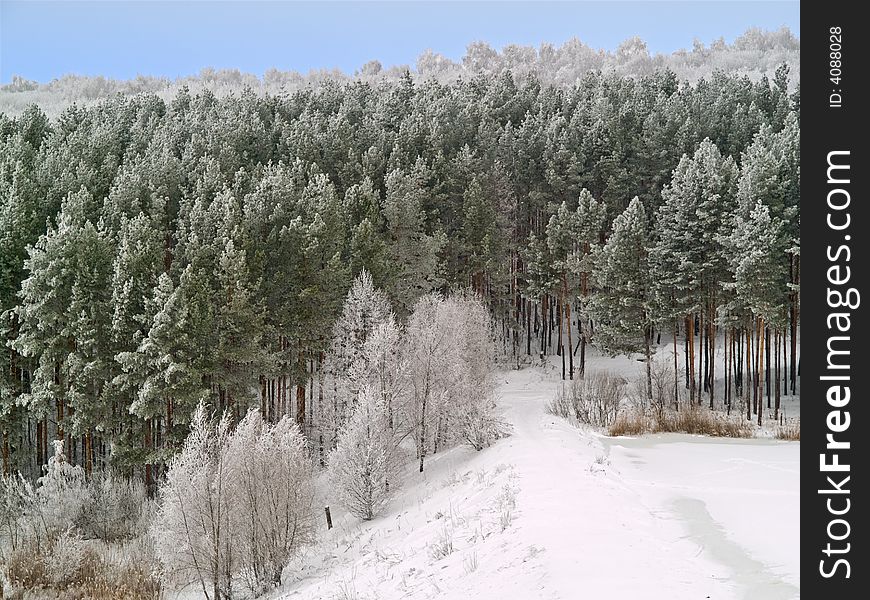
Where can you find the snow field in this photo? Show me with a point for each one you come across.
(558, 512)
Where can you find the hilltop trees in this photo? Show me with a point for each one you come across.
(158, 254)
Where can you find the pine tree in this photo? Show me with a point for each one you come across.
(65, 316)
(590, 222)
(136, 269)
(688, 258)
(413, 253)
(761, 276)
(365, 465)
(621, 306)
(238, 333)
(170, 363)
(365, 310)
(540, 282)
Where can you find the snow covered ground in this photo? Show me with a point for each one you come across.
(736, 499)
(556, 512)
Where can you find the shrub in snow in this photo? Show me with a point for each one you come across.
(115, 508)
(479, 426)
(364, 466)
(17, 496)
(594, 399)
(665, 391)
(65, 559)
(507, 504)
(61, 495)
(442, 546)
(470, 563)
(270, 482)
(71, 568)
(791, 431)
(192, 531)
(235, 504)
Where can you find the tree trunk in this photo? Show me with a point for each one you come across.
(794, 324)
(760, 366)
(748, 354)
(561, 345)
(647, 343)
(702, 373)
(676, 371)
(551, 316)
(300, 405)
(38, 446)
(570, 340)
(528, 328)
(686, 352)
(149, 477)
(691, 331)
(300, 394)
(89, 456)
(755, 364)
(711, 359)
(767, 363)
(737, 351)
(422, 432)
(728, 357)
(784, 336)
(776, 341)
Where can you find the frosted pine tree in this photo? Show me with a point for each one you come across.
(561, 242)
(620, 308)
(590, 222)
(90, 364)
(770, 173)
(688, 259)
(136, 268)
(168, 367)
(238, 333)
(413, 253)
(347, 367)
(65, 317)
(540, 281)
(760, 279)
(364, 467)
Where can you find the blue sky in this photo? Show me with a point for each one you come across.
(43, 40)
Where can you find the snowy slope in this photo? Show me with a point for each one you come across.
(555, 512)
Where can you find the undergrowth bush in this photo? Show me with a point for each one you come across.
(71, 568)
(593, 400)
(692, 420)
(790, 431)
(73, 537)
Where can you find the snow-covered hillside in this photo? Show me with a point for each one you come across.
(556, 512)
